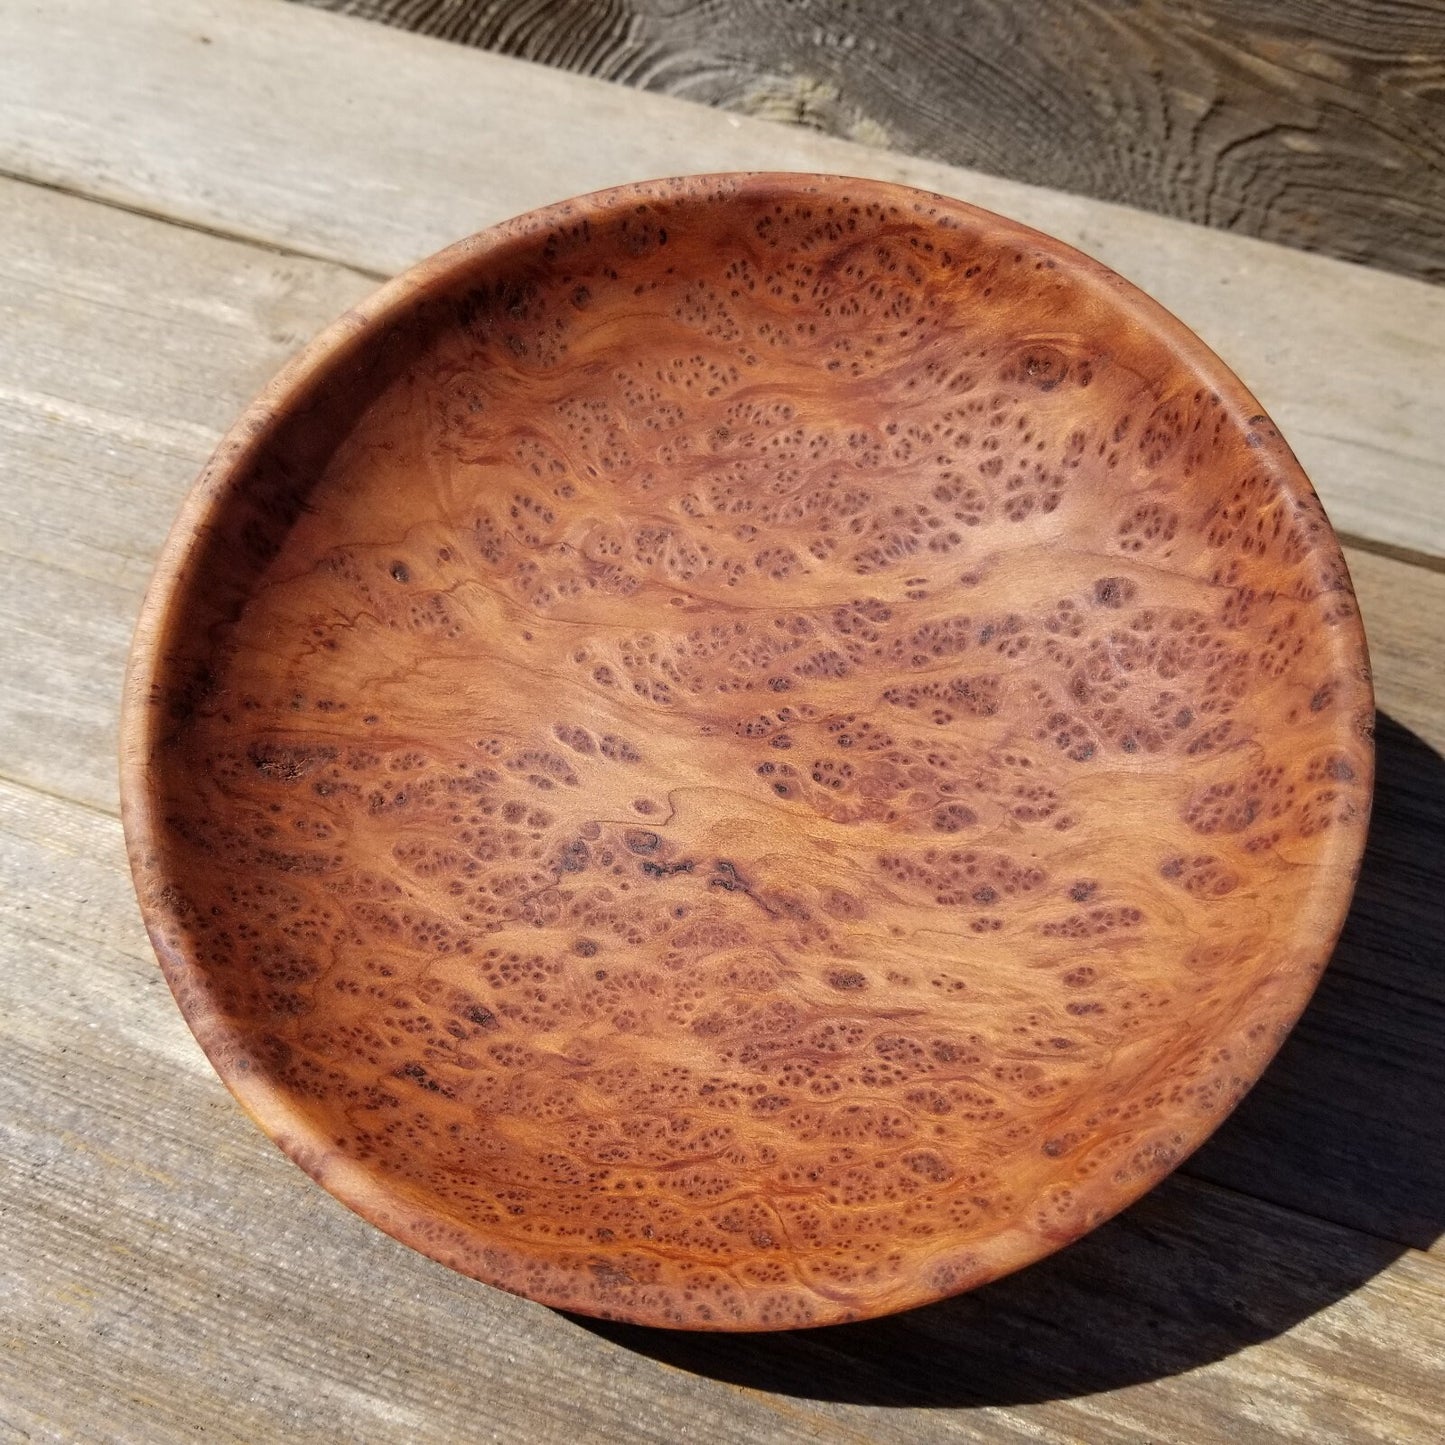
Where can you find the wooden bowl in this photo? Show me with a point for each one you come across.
(747, 752)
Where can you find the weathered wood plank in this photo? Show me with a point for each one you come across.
(196, 109)
(133, 1190)
(113, 390)
(1297, 121)
(130, 346)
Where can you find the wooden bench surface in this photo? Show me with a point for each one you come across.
(189, 189)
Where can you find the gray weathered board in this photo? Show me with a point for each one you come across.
(164, 1273)
(1308, 122)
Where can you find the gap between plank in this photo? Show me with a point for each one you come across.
(98, 809)
(1392, 551)
(147, 213)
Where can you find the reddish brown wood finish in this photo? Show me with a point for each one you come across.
(747, 752)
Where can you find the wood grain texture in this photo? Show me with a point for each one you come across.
(1299, 121)
(167, 1269)
(191, 108)
(836, 737)
(173, 1274)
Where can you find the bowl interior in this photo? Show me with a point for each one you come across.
(748, 752)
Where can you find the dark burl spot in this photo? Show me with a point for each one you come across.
(287, 764)
(928, 1165)
(1114, 591)
(846, 979)
(666, 870)
(726, 876)
(1045, 367)
(953, 818)
(419, 1076)
(618, 750)
(576, 738)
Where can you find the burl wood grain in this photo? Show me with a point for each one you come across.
(749, 752)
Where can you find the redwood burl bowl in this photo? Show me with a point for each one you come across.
(747, 752)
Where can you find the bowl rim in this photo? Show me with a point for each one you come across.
(367, 1194)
